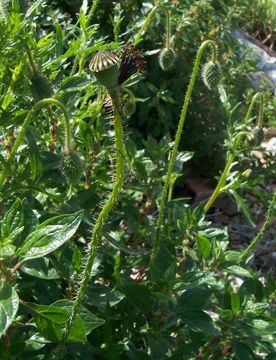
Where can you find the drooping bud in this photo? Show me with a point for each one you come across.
(211, 74)
(257, 136)
(166, 58)
(71, 167)
(104, 65)
(40, 87)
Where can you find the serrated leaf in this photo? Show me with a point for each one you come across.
(90, 321)
(242, 206)
(9, 302)
(204, 246)
(51, 321)
(47, 237)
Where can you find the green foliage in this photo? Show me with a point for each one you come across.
(80, 241)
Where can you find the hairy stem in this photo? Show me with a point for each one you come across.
(118, 183)
(148, 22)
(263, 228)
(20, 136)
(212, 45)
(231, 157)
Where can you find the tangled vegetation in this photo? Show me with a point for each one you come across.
(100, 257)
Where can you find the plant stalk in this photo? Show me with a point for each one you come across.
(263, 228)
(118, 183)
(148, 22)
(231, 157)
(212, 45)
(20, 136)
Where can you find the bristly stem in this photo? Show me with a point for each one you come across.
(231, 156)
(263, 229)
(148, 22)
(118, 183)
(20, 136)
(212, 45)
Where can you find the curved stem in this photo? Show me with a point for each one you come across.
(261, 107)
(31, 60)
(118, 183)
(219, 188)
(20, 136)
(92, 11)
(263, 228)
(212, 45)
(148, 22)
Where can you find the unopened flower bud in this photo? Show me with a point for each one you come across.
(211, 74)
(104, 65)
(166, 58)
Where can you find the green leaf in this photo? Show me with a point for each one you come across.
(204, 246)
(90, 321)
(49, 236)
(242, 206)
(137, 294)
(39, 268)
(13, 222)
(238, 271)
(194, 298)
(242, 351)
(233, 256)
(235, 303)
(35, 161)
(34, 7)
(198, 321)
(51, 321)
(9, 302)
(256, 309)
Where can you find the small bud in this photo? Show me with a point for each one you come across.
(258, 136)
(72, 167)
(104, 65)
(246, 174)
(166, 58)
(40, 87)
(211, 74)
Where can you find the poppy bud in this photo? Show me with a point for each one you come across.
(104, 65)
(40, 87)
(72, 167)
(166, 58)
(211, 74)
(257, 136)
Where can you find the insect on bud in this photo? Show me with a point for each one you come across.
(104, 65)
(72, 167)
(166, 58)
(211, 74)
